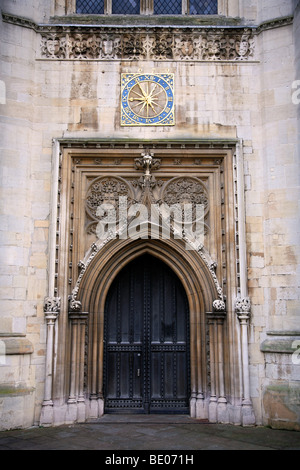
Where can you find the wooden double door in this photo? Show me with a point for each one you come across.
(146, 348)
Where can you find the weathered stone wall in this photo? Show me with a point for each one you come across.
(272, 217)
(48, 99)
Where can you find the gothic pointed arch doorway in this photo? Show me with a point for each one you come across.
(107, 270)
(84, 267)
(146, 340)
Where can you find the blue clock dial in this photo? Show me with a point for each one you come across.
(147, 100)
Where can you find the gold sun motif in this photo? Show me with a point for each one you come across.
(148, 99)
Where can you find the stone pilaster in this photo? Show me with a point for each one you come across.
(243, 311)
(76, 401)
(217, 409)
(51, 310)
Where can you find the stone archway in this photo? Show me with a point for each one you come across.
(201, 292)
(83, 268)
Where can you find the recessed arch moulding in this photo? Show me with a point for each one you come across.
(84, 267)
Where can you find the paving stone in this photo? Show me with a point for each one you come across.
(143, 433)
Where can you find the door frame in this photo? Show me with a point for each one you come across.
(77, 289)
(197, 282)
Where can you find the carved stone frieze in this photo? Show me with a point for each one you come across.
(113, 42)
(218, 44)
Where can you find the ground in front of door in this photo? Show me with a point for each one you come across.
(114, 433)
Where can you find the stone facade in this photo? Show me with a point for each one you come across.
(237, 83)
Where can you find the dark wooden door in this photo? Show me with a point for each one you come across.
(146, 360)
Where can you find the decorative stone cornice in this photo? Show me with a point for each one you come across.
(147, 42)
(66, 25)
(234, 43)
(275, 23)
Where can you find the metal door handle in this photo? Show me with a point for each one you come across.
(138, 372)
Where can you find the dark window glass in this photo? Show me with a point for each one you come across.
(203, 7)
(126, 7)
(167, 7)
(161, 7)
(90, 7)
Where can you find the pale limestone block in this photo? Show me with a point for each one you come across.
(257, 261)
(6, 322)
(6, 281)
(37, 288)
(281, 255)
(20, 293)
(19, 322)
(293, 307)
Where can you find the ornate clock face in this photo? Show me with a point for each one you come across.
(147, 100)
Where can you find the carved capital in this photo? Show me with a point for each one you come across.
(243, 308)
(52, 305)
(243, 305)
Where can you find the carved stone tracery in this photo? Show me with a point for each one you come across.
(186, 190)
(146, 180)
(183, 193)
(105, 191)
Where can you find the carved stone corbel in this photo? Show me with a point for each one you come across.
(74, 305)
(219, 305)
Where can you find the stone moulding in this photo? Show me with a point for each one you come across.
(281, 342)
(146, 42)
(14, 344)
